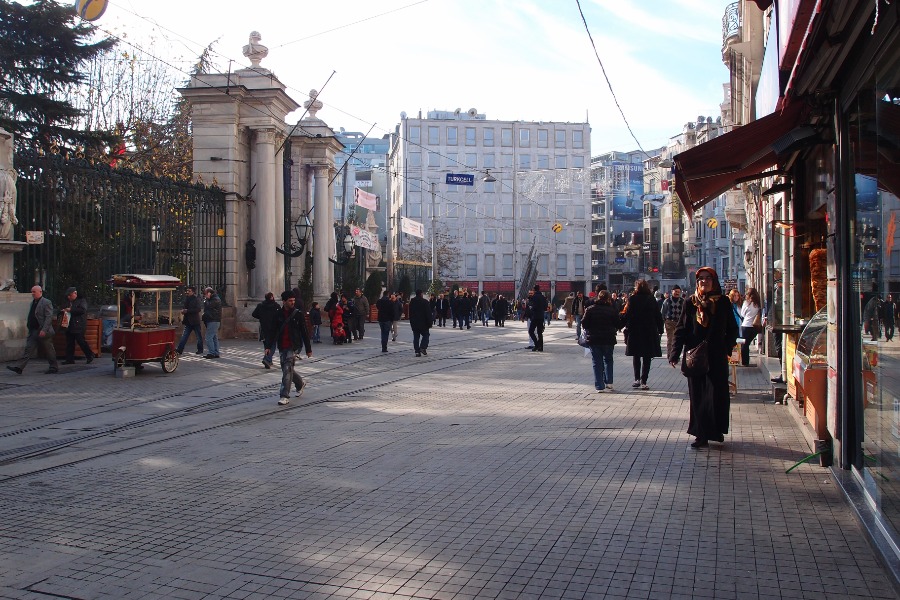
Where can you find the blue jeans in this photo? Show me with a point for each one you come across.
(385, 333)
(602, 360)
(578, 326)
(423, 345)
(288, 375)
(188, 328)
(269, 352)
(315, 333)
(212, 337)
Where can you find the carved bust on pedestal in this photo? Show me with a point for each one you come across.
(313, 105)
(254, 50)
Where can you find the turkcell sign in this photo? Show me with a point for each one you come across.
(619, 259)
(460, 179)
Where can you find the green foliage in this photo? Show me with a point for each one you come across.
(404, 286)
(436, 287)
(43, 52)
(374, 285)
(305, 284)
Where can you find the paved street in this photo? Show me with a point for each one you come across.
(480, 471)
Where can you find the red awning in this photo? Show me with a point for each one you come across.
(709, 169)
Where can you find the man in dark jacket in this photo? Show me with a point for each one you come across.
(500, 310)
(420, 322)
(360, 314)
(538, 306)
(190, 312)
(291, 335)
(600, 322)
(441, 308)
(40, 333)
(267, 312)
(385, 309)
(212, 316)
(77, 309)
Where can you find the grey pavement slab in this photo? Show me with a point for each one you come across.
(480, 471)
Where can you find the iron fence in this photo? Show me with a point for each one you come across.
(98, 221)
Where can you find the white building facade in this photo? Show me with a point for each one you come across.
(529, 188)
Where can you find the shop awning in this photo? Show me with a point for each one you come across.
(709, 169)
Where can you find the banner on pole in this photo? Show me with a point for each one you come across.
(364, 239)
(365, 199)
(413, 228)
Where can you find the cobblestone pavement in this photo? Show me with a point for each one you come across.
(480, 471)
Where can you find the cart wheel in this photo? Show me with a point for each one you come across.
(118, 360)
(169, 360)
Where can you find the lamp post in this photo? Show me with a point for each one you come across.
(346, 254)
(302, 228)
(434, 265)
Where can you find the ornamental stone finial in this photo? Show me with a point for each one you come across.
(313, 105)
(254, 50)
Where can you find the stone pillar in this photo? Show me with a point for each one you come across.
(278, 227)
(263, 216)
(323, 230)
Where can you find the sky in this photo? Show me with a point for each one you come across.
(529, 60)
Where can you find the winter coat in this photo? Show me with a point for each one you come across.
(267, 312)
(600, 323)
(398, 309)
(645, 326)
(77, 315)
(361, 307)
(419, 314)
(315, 316)
(385, 310)
(336, 314)
(193, 308)
(296, 326)
(212, 309)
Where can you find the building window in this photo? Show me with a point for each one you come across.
(415, 159)
(471, 160)
(524, 211)
(434, 135)
(507, 265)
(561, 161)
(471, 265)
(543, 138)
(542, 212)
(488, 210)
(579, 235)
(506, 161)
(562, 265)
(506, 235)
(488, 161)
(524, 161)
(489, 187)
(470, 136)
(543, 265)
(578, 162)
(490, 236)
(578, 210)
(560, 138)
(451, 135)
(577, 138)
(414, 210)
(471, 236)
(488, 137)
(434, 159)
(453, 211)
(524, 138)
(489, 265)
(452, 187)
(415, 134)
(506, 212)
(543, 161)
(579, 265)
(506, 137)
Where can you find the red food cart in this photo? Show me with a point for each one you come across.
(136, 339)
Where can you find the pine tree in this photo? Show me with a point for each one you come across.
(43, 50)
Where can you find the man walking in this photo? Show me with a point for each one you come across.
(291, 336)
(536, 326)
(40, 333)
(671, 313)
(484, 308)
(212, 316)
(420, 322)
(441, 308)
(76, 308)
(578, 308)
(267, 314)
(191, 318)
(385, 308)
(360, 314)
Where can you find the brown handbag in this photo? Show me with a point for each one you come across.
(695, 362)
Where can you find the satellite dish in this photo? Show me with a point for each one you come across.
(90, 10)
(472, 112)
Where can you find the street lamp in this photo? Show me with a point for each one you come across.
(302, 228)
(346, 251)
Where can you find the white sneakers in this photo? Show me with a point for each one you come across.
(636, 384)
(284, 401)
(302, 387)
(644, 386)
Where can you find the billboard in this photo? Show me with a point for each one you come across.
(626, 190)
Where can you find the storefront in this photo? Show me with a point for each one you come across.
(822, 172)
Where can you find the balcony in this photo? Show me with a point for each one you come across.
(731, 25)
(735, 210)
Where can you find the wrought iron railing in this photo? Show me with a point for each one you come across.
(731, 24)
(98, 221)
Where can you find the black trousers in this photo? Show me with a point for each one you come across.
(536, 332)
(641, 367)
(71, 339)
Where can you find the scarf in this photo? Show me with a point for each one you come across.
(706, 307)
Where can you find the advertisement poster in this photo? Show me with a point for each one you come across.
(627, 189)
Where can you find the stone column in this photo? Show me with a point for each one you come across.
(323, 230)
(263, 216)
(278, 229)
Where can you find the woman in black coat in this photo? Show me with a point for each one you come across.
(645, 328)
(707, 315)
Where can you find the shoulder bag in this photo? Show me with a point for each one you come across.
(695, 362)
(757, 322)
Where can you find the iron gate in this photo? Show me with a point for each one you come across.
(98, 221)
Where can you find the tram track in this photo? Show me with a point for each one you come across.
(28, 459)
